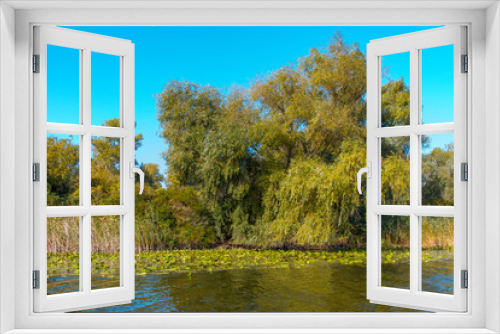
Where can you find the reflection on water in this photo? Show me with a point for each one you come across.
(320, 287)
(396, 275)
(433, 279)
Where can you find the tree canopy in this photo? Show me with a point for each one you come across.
(275, 163)
(269, 165)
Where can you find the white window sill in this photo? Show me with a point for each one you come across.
(251, 331)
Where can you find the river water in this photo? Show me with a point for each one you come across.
(319, 287)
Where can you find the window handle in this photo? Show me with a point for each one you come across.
(141, 175)
(368, 171)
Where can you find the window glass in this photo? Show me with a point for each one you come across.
(63, 254)
(395, 165)
(105, 252)
(63, 85)
(395, 231)
(63, 170)
(105, 171)
(437, 84)
(105, 90)
(437, 254)
(395, 89)
(438, 169)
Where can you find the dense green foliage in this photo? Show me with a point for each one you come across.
(271, 165)
(63, 175)
(275, 164)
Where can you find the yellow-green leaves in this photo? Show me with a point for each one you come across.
(62, 171)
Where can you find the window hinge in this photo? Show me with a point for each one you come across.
(464, 171)
(465, 279)
(465, 64)
(36, 172)
(36, 63)
(36, 279)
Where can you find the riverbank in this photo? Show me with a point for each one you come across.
(209, 260)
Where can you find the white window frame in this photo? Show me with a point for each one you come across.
(483, 125)
(413, 43)
(85, 43)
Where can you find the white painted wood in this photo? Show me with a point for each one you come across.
(419, 129)
(492, 163)
(77, 129)
(460, 156)
(416, 119)
(430, 129)
(128, 189)
(40, 156)
(240, 4)
(373, 188)
(86, 298)
(415, 298)
(94, 210)
(85, 174)
(415, 169)
(83, 40)
(416, 40)
(471, 322)
(256, 331)
(7, 167)
(406, 210)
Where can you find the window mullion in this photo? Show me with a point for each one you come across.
(85, 186)
(109, 210)
(417, 125)
(82, 220)
(421, 211)
(414, 171)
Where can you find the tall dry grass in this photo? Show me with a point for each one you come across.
(437, 232)
(63, 234)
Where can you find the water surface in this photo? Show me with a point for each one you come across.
(319, 287)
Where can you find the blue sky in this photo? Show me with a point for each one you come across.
(221, 57)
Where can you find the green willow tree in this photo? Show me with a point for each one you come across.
(63, 161)
(318, 127)
(63, 157)
(230, 168)
(271, 165)
(105, 176)
(437, 177)
(189, 112)
(275, 164)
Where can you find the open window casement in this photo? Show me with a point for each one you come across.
(84, 212)
(415, 210)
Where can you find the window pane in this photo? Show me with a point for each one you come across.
(437, 169)
(437, 81)
(395, 251)
(63, 170)
(105, 252)
(437, 254)
(395, 165)
(105, 90)
(105, 171)
(63, 85)
(63, 255)
(395, 94)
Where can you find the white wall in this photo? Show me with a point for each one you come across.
(138, 17)
(7, 159)
(492, 164)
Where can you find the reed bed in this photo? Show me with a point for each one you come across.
(63, 250)
(63, 235)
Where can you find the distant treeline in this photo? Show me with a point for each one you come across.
(269, 166)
